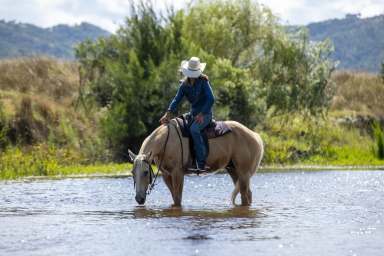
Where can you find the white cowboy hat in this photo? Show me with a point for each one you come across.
(192, 67)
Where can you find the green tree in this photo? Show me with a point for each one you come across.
(253, 65)
(229, 29)
(133, 74)
(295, 73)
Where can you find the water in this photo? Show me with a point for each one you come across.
(295, 213)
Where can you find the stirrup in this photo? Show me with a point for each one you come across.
(197, 171)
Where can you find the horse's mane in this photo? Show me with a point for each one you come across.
(150, 142)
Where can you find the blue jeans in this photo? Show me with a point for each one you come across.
(200, 150)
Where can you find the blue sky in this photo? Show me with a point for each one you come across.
(110, 13)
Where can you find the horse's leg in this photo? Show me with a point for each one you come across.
(168, 181)
(235, 178)
(177, 186)
(246, 194)
(233, 174)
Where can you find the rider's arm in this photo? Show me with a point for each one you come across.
(176, 100)
(210, 99)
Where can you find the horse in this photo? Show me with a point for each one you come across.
(239, 152)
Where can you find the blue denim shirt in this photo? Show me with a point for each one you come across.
(199, 95)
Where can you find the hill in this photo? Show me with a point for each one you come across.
(21, 39)
(358, 42)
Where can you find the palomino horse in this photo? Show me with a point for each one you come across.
(239, 152)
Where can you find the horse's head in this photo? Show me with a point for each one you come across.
(142, 175)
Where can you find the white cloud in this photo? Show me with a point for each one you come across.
(110, 13)
(306, 11)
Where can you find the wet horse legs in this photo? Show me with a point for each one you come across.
(246, 193)
(177, 187)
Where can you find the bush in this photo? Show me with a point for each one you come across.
(379, 140)
(296, 139)
(254, 67)
(3, 129)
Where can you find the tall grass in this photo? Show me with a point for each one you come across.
(299, 140)
(44, 160)
(379, 140)
(40, 76)
(358, 92)
(37, 100)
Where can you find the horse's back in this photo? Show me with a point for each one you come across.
(242, 146)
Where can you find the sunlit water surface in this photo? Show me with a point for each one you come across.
(295, 213)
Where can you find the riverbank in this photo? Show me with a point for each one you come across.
(49, 127)
(124, 170)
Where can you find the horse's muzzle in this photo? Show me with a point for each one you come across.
(140, 199)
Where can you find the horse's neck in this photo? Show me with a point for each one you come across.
(152, 144)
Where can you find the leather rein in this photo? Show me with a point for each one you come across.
(152, 175)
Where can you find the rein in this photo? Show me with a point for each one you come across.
(152, 180)
(181, 144)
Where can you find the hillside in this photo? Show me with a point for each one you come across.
(358, 42)
(39, 103)
(21, 39)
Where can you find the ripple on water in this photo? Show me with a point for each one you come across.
(297, 213)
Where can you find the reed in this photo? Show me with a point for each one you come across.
(379, 140)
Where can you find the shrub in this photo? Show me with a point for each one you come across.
(379, 140)
(253, 65)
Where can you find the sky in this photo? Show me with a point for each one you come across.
(108, 14)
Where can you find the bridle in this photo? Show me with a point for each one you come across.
(152, 175)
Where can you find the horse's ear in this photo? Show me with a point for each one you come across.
(131, 156)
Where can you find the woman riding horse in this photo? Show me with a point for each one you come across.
(239, 151)
(197, 89)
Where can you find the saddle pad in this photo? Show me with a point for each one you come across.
(213, 130)
(217, 129)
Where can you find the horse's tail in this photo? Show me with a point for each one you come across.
(235, 192)
(260, 153)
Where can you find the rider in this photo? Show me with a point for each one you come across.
(197, 89)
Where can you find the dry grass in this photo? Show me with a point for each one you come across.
(40, 76)
(38, 96)
(361, 93)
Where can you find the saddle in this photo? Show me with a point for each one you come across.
(213, 130)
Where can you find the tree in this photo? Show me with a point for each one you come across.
(132, 74)
(253, 66)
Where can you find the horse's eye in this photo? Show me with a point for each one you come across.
(145, 173)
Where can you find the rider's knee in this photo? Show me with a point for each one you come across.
(194, 129)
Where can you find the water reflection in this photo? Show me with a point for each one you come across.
(177, 212)
(143, 212)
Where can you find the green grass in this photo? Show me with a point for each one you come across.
(346, 156)
(102, 169)
(43, 160)
(305, 141)
(42, 133)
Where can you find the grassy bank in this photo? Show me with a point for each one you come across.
(47, 129)
(296, 140)
(46, 161)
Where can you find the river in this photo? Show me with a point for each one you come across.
(293, 213)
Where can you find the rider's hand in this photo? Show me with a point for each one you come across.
(165, 118)
(199, 118)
